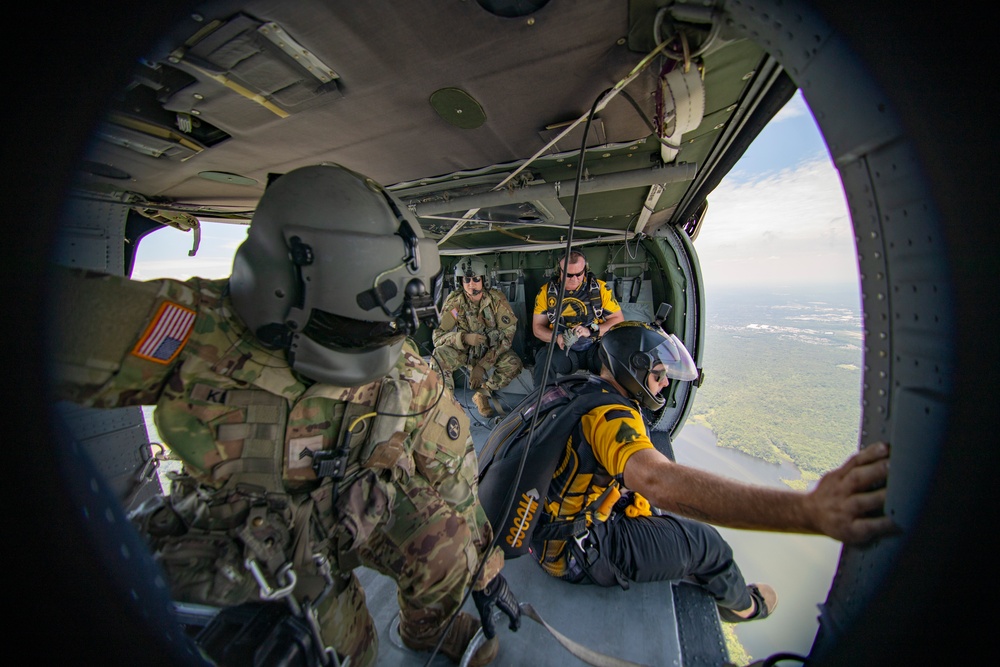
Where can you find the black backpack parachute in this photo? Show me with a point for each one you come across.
(514, 512)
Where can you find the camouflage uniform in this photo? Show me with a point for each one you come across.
(248, 430)
(491, 316)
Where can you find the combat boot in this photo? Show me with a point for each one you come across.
(482, 400)
(455, 641)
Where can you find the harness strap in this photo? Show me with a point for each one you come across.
(267, 550)
(568, 528)
(589, 656)
(561, 530)
(593, 295)
(315, 581)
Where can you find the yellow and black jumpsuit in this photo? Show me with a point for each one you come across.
(618, 538)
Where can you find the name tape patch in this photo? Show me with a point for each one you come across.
(166, 334)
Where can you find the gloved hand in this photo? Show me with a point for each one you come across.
(478, 373)
(473, 339)
(496, 593)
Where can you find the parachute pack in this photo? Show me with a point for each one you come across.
(562, 405)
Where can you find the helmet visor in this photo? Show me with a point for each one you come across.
(675, 358)
(343, 333)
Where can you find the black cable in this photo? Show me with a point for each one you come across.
(432, 405)
(178, 207)
(649, 124)
(545, 372)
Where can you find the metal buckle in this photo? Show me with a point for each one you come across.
(587, 548)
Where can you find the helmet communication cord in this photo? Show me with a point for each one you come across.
(548, 358)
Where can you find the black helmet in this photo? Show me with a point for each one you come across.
(630, 349)
(337, 271)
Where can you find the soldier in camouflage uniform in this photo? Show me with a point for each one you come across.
(314, 436)
(477, 330)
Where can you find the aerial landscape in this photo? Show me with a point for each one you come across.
(783, 375)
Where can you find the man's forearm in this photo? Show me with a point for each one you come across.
(718, 500)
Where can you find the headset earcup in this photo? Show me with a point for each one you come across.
(640, 360)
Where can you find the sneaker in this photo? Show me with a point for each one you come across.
(456, 641)
(765, 602)
(482, 401)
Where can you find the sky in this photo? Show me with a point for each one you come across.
(779, 217)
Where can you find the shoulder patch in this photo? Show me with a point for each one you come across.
(626, 433)
(454, 428)
(166, 334)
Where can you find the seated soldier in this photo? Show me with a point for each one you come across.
(477, 329)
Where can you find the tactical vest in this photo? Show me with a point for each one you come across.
(593, 297)
(278, 503)
(270, 468)
(287, 477)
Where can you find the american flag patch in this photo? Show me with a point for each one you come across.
(166, 334)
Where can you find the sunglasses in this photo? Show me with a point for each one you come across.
(472, 279)
(575, 275)
(659, 375)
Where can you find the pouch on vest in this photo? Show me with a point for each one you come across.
(501, 456)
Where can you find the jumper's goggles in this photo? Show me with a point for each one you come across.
(676, 360)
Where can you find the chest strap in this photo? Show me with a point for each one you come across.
(593, 296)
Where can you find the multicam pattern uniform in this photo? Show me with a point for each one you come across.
(493, 317)
(225, 405)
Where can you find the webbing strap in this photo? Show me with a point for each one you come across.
(593, 295)
(589, 656)
(561, 530)
(262, 434)
(564, 529)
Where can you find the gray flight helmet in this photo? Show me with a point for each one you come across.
(471, 266)
(336, 271)
(631, 349)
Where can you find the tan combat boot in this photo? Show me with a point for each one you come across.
(482, 400)
(465, 627)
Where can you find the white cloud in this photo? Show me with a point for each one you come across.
(794, 108)
(796, 218)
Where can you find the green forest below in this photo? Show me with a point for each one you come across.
(778, 398)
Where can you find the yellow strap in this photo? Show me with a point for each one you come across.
(241, 90)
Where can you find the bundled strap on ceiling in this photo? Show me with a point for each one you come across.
(683, 94)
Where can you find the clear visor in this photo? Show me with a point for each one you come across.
(675, 359)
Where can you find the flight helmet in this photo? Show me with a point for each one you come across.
(336, 271)
(630, 349)
(471, 266)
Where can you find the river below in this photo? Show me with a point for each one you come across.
(799, 567)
